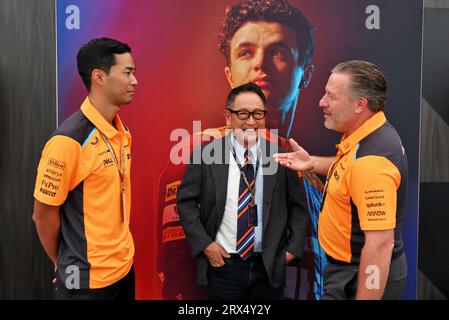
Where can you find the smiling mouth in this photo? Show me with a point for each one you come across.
(248, 132)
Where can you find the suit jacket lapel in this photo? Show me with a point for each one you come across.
(220, 173)
(269, 179)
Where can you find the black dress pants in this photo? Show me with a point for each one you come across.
(240, 279)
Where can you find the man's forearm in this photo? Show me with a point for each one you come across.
(49, 232)
(49, 235)
(321, 165)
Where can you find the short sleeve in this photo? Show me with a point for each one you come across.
(373, 184)
(57, 170)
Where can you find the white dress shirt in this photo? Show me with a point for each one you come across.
(227, 233)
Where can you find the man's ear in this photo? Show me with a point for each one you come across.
(228, 74)
(227, 116)
(307, 76)
(362, 105)
(98, 76)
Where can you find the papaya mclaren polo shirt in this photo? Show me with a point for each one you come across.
(78, 173)
(366, 190)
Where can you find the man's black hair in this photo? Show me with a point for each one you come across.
(98, 54)
(280, 11)
(247, 87)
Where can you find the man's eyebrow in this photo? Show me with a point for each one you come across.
(245, 44)
(130, 68)
(280, 43)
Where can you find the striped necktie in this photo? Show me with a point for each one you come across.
(245, 232)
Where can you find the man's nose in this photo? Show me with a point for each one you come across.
(260, 61)
(323, 102)
(251, 120)
(134, 81)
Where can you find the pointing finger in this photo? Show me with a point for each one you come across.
(294, 145)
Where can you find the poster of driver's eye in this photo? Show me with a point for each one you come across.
(189, 54)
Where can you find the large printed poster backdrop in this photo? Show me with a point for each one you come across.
(182, 89)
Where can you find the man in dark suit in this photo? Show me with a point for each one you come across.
(243, 216)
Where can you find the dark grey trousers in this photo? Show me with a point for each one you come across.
(340, 280)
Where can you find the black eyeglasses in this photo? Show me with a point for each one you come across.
(245, 114)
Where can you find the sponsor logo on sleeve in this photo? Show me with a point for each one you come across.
(49, 177)
(53, 173)
(56, 164)
(375, 205)
(47, 192)
(48, 187)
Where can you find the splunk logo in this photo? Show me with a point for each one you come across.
(375, 204)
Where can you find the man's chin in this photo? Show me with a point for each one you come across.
(126, 101)
(250, 141)
(247, 139)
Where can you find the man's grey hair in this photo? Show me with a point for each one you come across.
(366, 80)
